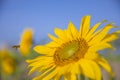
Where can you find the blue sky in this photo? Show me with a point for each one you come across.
(44, 15)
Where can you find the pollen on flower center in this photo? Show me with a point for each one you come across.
(70, 51)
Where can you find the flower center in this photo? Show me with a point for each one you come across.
(70, 52)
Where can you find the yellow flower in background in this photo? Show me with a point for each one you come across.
(26, 41)
(7, 61)
(74, 52)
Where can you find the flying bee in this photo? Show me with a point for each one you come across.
(16, 46)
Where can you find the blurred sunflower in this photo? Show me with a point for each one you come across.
(26, 42)
(7, 61)
(74, 52)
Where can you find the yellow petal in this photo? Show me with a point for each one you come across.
(85, 25)
(87, 69)
(33, 69)
(52, 44)
(73, 30)
(111, 37)
(63, 70)
(92, 30)
(75, 69)
(36, 59)
(51, 74)
(44, 50)
(60, 33)
(40, 62)
(101, 35)
(57, 40)
(91, 55)
(73, 77)
(90, 38)
(90, 69)
(105, 65)
(68, 34)
(100, 46)
(43, 74)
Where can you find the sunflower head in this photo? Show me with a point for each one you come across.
(7, 62)
(26, 41)
(74, 52)
(71, 51)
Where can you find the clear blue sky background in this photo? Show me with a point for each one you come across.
(44, 15)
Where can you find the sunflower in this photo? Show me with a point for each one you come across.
(7, 62)
(26, 41)
(72, 53)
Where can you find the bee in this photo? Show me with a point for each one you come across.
(16, 46)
